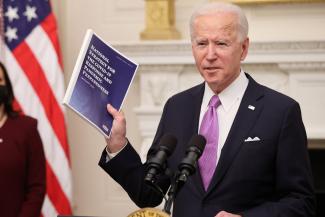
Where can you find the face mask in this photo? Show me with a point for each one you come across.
(3, 94)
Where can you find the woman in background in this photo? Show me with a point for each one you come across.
(22, 161)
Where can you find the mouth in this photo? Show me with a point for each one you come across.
(211, 69)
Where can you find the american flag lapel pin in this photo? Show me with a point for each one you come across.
(251, 107)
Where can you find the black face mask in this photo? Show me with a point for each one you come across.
(3, 94)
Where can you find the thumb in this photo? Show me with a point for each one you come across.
(112, 110)
(117, 115)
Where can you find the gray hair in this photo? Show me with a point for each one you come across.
(216, 7)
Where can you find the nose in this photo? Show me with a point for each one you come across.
(212, 52)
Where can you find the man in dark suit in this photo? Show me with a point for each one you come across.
(260, 165)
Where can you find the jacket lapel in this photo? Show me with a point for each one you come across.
(243, 122)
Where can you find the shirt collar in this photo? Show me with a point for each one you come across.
(230, 95)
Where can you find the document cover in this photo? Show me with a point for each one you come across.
(101, 75)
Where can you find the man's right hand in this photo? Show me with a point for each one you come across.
(117, 139)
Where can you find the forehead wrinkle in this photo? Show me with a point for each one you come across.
(229, 29)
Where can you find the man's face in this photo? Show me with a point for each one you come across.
(217, 49)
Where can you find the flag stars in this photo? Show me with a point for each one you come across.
(12, 13)
(30, 13)
(11, 33)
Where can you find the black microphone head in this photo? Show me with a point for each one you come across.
(157, 162)
(198, 141)
(168, 143)
(187, 166)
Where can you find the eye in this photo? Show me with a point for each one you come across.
(201, 43)
(222, 44)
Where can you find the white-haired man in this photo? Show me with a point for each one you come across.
(255, 163)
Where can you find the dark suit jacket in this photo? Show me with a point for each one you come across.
(266, 178)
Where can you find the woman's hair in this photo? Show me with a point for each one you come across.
(8, 103)
(212, 8)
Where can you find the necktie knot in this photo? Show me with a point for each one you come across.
(214, 101)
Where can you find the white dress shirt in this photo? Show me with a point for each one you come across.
(230, 99)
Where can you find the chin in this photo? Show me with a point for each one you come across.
(213, 79)
(213, 83)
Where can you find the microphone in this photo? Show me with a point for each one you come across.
(156, 164)
(185, 168)
(188, 165)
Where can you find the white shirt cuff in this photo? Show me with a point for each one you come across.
(110, 156)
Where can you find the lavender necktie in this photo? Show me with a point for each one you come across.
(210, 130)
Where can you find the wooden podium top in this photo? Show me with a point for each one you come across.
(148, 212)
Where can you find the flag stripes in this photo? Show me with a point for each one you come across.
(38, 42)
(48, 208)
(55, 193)
(35, 75)
(49, 26)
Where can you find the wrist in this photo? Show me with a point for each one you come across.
(115, 145)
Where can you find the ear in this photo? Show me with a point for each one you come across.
(245, 45)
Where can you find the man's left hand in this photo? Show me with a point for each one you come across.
(226, 214)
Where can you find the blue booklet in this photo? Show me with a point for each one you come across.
(101, 75)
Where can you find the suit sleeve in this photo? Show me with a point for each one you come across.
(294, 183)
(35, 185)
(127, 169)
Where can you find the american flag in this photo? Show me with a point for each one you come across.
(30, 51)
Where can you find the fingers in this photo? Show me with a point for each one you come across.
(117, 139)
(112, 110)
